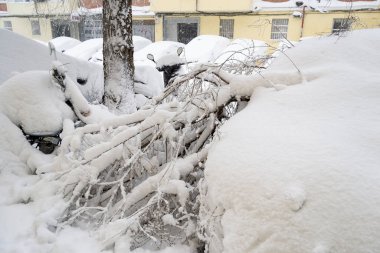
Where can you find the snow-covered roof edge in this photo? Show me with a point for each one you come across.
(136, 11)
(319, 5)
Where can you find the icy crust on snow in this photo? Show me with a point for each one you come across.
(298, 169)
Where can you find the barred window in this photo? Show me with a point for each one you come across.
(279, 29)
(8, 25)
(93, 28)
(226, 28)
(341, 25)
(35, 27)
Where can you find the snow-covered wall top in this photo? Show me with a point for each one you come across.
(319, 5)
(136, 11)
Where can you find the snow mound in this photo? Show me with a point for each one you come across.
(298, 170)
(140, 42)
(63, 43)
(205, 48)
(158, 49)
(241, 50)
(31, 55)
(86, 49)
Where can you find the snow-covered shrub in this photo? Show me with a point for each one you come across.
(141, 174)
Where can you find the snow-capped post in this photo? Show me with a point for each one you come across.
(118, 56)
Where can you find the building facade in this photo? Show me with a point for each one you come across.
(267, 20)
(80, 19)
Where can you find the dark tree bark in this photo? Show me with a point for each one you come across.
(118, 55)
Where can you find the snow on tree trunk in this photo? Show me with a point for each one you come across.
(118, 55)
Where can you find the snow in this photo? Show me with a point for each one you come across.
(63, 43)
(136, 11)
(158, 49)
(298, 169)
(205, 48)
(319, 5)
(92, 50)
(242, 50)
(86, 49)
(29, 100)
(31, 55)
(140, 42)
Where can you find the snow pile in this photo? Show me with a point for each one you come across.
(63, 43)
(86, 49)
(140, 42)
(159, 50)
(205, 48)
(241, 50)
(298, 169)
(31, 55)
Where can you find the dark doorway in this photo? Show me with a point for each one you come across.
(186, 32)
(60, 28)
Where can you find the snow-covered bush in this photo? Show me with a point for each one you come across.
(141, 174)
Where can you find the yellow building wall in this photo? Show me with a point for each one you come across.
(258, 26)
(209, 25)
(200, 5)
(224, 5)
(23, 27)
(173, 5)
(317, 24)
(159, 29)
(50, 7)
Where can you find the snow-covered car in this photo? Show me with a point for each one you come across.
(241, 50)
(158, 49)
(63, 43)
(31, 55)
(205, 48)
(92, 50)
(86, 49)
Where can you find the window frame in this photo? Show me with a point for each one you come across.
(341, 29)
(36, 27)
(279, 30)
(226, 27)
(8, 27)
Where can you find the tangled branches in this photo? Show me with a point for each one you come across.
(140, 175)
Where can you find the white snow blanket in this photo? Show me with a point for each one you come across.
(19, 54)
(299, 169)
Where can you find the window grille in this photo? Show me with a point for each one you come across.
(227, 28)
(36, 30)
(93, 28)
(341, 25)
(279, 29)
(8, 25)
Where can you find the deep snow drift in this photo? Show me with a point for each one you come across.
(296, 171)
(299, 169)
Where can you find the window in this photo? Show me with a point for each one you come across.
(35, 27)
(341, 25)
(8, 25)
(226, 28)
(279, 29)
(93, 28)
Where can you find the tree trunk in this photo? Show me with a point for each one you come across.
(118, 56)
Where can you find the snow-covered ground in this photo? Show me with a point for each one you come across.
(299, 169)
(296, 171)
